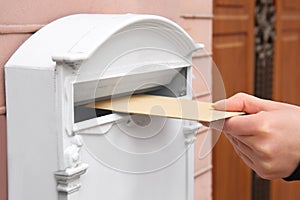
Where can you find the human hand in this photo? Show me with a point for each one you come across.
(268, 138)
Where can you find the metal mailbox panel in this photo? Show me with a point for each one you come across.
(49, 157)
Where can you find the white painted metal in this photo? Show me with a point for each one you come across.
(78, 59)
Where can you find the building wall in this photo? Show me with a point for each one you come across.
(20, 19)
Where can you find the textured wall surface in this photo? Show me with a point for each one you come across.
(20, 19)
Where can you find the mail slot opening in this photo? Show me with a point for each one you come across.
(176, 87)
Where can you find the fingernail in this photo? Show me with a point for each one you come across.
(219, 105)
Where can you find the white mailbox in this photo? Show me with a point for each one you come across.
(60, 149)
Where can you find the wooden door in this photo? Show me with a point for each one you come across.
(287, 75)
(233, 53)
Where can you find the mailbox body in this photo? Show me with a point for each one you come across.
(58, 149)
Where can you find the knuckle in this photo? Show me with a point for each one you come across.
(264, 146)
(264, 150)
(269, 169)
(264, 126)
(266, 171)
(240, 95)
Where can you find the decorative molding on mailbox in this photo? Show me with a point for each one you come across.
(75, 65)
(71, 153)
(68, 180)
(190, 131)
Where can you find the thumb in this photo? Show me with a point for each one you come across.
(246, 103)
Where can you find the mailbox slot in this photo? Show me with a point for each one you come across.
(176, 86)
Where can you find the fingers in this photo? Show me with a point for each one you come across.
(243, 151)
(248, 104)
(243, 125)
(241, 102)
(238, 125)
(241, 146)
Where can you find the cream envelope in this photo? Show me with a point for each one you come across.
(164, 106)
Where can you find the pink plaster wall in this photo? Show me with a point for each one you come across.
(19, 19)
(196, 7)
(8, 44)
(41, 12)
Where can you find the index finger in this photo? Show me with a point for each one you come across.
(244, 125)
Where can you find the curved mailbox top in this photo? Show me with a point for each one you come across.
(78, 38)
